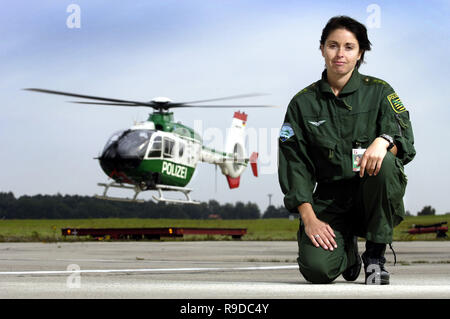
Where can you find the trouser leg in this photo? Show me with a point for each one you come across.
(369, 207)
(321, 266)
(380, 201)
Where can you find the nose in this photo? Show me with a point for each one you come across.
(117, 158)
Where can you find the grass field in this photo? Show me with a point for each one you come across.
(49, 230)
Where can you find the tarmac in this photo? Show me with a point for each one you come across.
(205, 270)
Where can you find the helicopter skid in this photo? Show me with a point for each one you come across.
(159, 187)
(184, 190)
(119, 199)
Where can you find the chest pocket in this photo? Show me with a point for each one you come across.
(361, 141)
(325, 157)
(360, 124)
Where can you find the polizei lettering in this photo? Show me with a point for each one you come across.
(174, 170)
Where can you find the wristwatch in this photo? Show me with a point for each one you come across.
(389, 139)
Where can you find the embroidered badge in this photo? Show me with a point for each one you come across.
(286, 132)
(395, 102)
(318, 123)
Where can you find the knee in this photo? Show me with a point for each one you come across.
(387, 169)
(317, 272)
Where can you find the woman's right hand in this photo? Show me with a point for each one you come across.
(320, 233)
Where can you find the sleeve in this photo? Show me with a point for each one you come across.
(295, 168)
(395, 121)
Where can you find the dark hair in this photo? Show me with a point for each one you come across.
(357, 28)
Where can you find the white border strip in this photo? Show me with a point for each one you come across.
(64, 272)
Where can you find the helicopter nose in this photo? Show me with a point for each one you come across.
(115, 158)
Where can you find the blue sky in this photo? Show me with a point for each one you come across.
(189, 50)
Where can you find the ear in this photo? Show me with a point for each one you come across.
(360, 54)
(321, 49)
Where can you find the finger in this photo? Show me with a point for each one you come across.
(322, 243)
(362, 168)
(329, 243)
(333, 236)
(332, 242)
(330, 230)
(318, 239)
(370, 168)
(325, 242)
(378, 167)
(313, 240)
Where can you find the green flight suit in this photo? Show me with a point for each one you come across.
(315, 166)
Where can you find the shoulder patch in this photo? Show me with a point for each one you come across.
(286, 132)
(396, 103)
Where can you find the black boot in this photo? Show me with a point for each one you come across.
(352, 273)
(373, 259)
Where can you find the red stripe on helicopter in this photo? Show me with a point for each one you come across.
(122, 175)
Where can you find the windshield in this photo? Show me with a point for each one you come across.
(112, 139)
(134, 143)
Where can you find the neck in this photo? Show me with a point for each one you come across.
(338, 81)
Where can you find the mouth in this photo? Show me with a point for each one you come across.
(338, 63)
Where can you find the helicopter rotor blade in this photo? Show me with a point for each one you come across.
(136, 103)
(105, 103)
(220, 106)
(225, 98)
(153, 104)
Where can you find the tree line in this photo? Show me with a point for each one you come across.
(78, 207)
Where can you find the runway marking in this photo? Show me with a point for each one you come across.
(62, 272)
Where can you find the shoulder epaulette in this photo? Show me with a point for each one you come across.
(307, 89)
(370, 80)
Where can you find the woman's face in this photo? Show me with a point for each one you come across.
(341, 52)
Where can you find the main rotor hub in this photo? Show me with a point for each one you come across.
(162, 100)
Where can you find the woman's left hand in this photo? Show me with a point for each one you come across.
(373, 157)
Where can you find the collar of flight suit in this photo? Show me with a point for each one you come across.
(352, 85)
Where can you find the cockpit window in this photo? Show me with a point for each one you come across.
(168, 147)
(155, 151)
(113, 138)
(133, 143)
